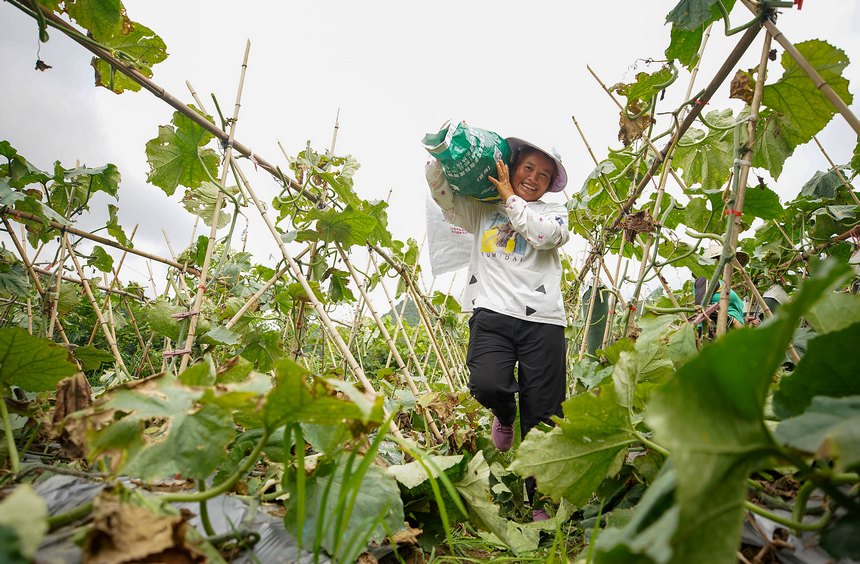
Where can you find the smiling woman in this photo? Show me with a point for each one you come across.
(514, 284)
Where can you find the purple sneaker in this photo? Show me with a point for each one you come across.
(539, 515)
(503, 435)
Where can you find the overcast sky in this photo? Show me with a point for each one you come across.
(394, 70)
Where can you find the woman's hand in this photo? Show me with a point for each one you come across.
(503, 184)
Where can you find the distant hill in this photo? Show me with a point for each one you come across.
(410, 315)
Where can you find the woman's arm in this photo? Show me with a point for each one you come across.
(543, 231)
(456, 209)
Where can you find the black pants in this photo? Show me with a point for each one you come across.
(497, 342)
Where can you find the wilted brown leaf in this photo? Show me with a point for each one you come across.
(631, 130)
(73, 394)
(742, 87)
(123, 533)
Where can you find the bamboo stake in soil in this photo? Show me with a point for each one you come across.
(210, 247)
(95, 304)
(733, 226)
(416, 298)
(391, 345)
(297, 272)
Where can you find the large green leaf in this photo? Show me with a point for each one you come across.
(710, 417)
(201, 202)
(140, 47)
(646, 85)
(31, 363)
(103, 18)
(100, 259)
(191, 441)
(770, 147)
(834, 312)
(829, 429)
(413, 478)
(298, 396)
(175, 155)
(25, 512)
(377, 501)
(572, 459)
(707, 157)
(92, 358)
(795, 96)
(14, 279)
(762, 202)
(822, 185)
(689, 15)
(647, 537)
(102, 179)
(825, 370)
(349, 227)
(484, 514)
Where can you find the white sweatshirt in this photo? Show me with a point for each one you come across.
(514, 268)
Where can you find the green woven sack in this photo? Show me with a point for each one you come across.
(468, 156)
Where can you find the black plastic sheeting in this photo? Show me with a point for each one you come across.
(226, 513)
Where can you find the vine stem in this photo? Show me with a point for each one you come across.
(816, 526)
(649, 443)
(10, 439)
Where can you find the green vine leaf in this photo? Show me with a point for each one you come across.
(114, 229)
(13, 276)
(822, 185)
(91, 358)
(688, 15)
(646, 85)
(684, 45)
(710, 417)
(349, 227)
(827, 429)
(298, 396)
(102, 179)
(100, 260)
(707, 158)
(834, 312)
(770, 148)
(201, 201)
(102, 18)
(191, 442)
(137, 45)
(762, 202)
(825, 370)
(795, 96)
(177, 155)
(571, 460)
(31, 363)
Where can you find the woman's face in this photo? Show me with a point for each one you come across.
(532, 177)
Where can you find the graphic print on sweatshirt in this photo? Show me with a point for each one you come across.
(499, 237)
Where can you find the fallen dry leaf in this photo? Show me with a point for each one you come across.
(124, 534)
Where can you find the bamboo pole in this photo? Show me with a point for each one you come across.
(79, 233)
(709, 91)
(810, 71)
(112, 284)
(253, 299)
(391, 345)
(32, 271)
(733, 226)
(210, 247)
(99, 316)
(297, 272)
(614, 299)
(420, 307)
(78, 282)
(839, 172)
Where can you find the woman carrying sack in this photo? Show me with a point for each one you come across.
(514, 291)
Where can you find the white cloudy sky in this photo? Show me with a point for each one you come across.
(394, 70)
